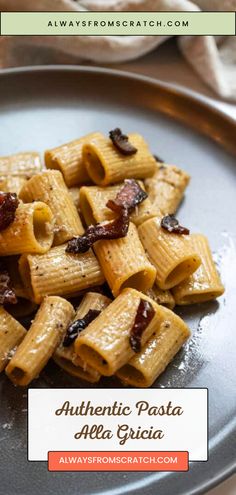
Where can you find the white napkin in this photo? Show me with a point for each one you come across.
(214, 59)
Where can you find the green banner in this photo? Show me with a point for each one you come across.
(117, 23)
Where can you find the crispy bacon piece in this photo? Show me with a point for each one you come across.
(78, 325)
(121, 142)
(171, 224)
(112, 230)
(8, 206)
(7, 294)
(129, 196)
(144, 316)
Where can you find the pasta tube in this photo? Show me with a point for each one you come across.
(59, 273)
(144, 212)
(30, 232)
(166, 187)
(91, 300)
(104, 344)
(23, 165)
(204, 284)
(125, 263)
(11, 334)
(50, 188)
(44, 335)
(144, 368)
(12, 183)
(66, 357)
(162, 297)
(93, 202)
(172, 255)
(75, 194)
(82, 371)
(106, 165)
(68, 159)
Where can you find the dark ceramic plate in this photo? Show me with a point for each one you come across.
(44, 107)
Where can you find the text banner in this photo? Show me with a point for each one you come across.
(113, 461)
(117, 420)
(117, 23)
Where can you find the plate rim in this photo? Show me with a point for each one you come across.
(213, 112)
(201, 102)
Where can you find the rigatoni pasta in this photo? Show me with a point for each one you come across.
(23, 165)
(133, 249)
(93, 200)
(59, 273)
(30, 232)
(124, 262)
(162, 297)
(12, 183)
(204, 284)
(43, 337)
(75, 195)
(50, 188)
(90, 301)
(66, 357)
(11, 334)
(166, 187)
(144, 368)
(81, 370)
(104, 344)
(68, 159)
(172, 255)
(106, 165)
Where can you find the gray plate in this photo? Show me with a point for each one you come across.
(43, 107)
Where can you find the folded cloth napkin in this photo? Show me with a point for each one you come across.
(214, 59)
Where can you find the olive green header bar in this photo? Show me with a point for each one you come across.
(117, 23)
